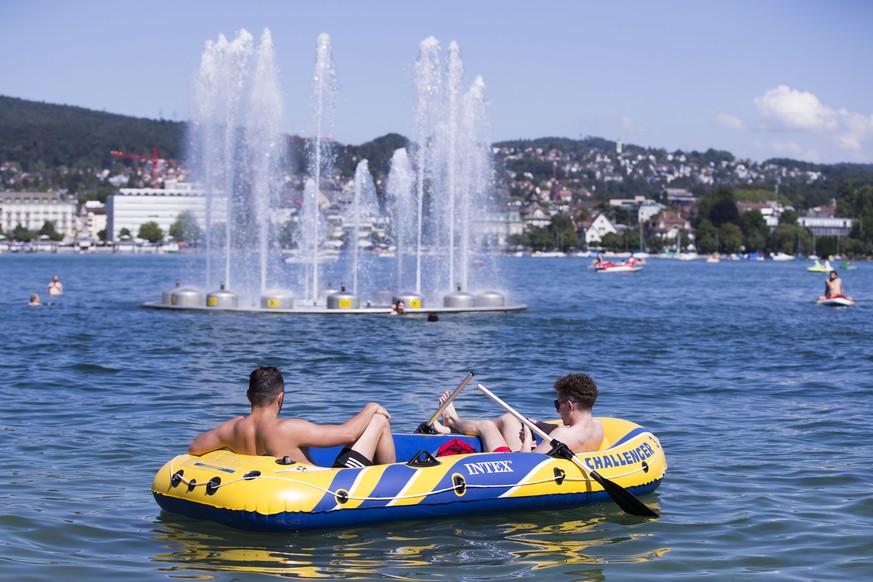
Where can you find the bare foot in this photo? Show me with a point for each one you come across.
(450, 415)
(439, 428)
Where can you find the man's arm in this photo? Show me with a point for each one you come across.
(219, 437)
(330, 435)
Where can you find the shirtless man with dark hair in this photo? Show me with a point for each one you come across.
(579, 430)
(366, 437)
(833, 287)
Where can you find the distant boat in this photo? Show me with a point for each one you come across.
(780, 256)
(629, 266)
(819, 268)
(713, 258)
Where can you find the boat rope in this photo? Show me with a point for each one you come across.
(347, 496)
(377, 498)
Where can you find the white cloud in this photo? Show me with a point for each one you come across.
(785, 108)
(732, 121)
(628, 125)
(857, 129)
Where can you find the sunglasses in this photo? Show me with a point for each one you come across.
(558, 404)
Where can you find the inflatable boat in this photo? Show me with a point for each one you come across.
(269, 494)
(837, 301)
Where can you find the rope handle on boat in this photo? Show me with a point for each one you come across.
(215, 484)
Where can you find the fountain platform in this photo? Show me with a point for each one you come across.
(316, 310)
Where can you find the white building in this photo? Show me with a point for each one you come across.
(494, 228)
(91, 220)
(32, 209)
(826, 226)
(598, 227)
(130, 208)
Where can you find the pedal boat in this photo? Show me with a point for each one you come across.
(263, 493)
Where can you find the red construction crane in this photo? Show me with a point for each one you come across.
(155, 161)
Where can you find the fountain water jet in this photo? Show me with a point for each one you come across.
(320, 155)
(401, 192)
(363, 207)
(427, 83)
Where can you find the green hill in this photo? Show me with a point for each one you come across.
(41, 135)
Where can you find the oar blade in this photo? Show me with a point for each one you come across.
(623, 498)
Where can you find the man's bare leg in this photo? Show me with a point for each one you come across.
(517, 437)
(377, 442)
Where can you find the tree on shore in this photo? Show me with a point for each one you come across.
(151, 232)
(186, 229)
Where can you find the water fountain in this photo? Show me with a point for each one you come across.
(432, 192)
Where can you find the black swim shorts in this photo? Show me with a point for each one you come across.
(351, 459)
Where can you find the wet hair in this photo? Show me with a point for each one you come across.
(580, 388)
(265, 385)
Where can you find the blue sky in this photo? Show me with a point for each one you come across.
(764, 78)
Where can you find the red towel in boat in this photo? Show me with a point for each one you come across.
(455, 447)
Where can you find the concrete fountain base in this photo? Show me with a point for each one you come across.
(315, 310)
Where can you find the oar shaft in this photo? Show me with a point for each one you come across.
(542, 434)
(451, 397)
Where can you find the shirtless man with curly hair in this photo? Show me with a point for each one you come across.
(579, 430)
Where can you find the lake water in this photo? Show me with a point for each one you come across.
(761, 399)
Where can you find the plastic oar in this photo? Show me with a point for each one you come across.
(427, 427)
(622, 497)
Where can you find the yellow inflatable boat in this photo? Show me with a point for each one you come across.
(269, 494)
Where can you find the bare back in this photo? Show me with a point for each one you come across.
(256, 434)
(581, 437)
